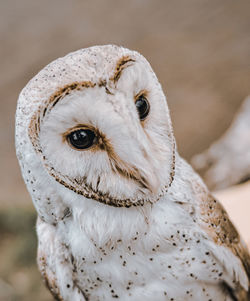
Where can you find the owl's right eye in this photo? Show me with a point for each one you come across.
(81, 139)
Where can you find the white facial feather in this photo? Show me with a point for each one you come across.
(126, 218)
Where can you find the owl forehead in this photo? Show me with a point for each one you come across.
(81, 70)
(91, 66)
(87, 65)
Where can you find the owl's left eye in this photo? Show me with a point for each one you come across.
(81, 139)
(142, 106)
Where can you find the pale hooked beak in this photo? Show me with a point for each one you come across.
(140, 166)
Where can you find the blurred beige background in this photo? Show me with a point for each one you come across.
(200, 51)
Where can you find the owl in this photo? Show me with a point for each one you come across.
(120, 214)
(229, 152)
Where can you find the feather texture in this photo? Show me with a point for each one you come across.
(126, 218)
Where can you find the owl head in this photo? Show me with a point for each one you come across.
(96, 123)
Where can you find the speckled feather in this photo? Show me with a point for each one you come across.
(127, 219)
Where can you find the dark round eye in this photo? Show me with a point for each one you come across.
(82, 138)
(142, 106)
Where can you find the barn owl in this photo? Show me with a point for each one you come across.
(231, 152)
(120, 214)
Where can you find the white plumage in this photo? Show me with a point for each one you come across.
(123, 216)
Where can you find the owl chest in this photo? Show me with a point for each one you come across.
(132, 274)
(124, 273)
(163, 259)
(137, 268)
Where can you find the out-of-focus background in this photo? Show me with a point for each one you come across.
(200, 51)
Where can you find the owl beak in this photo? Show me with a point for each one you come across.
(136, 159)
(154, 185)
(142, 171)
(148, 179)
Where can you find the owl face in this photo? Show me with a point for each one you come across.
(105, 133)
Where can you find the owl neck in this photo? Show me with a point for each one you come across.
(103, 224)
(57, 204)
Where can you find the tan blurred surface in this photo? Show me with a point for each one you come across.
(200, 50)
(236, 200)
